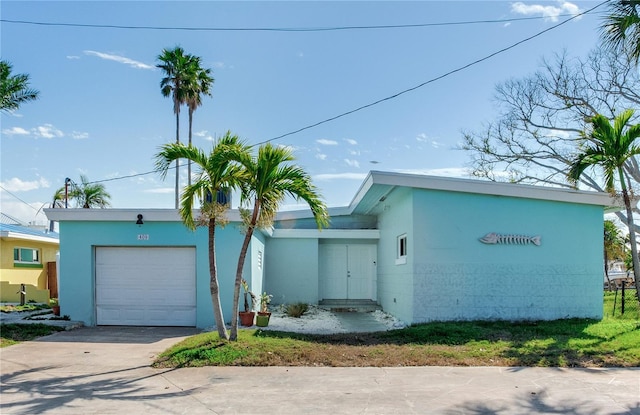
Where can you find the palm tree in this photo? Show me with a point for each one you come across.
(199, 84)
(217, 173)
(14, 89)
(89, 195)
(621, 28)
(177, 67)
(609, 147)
(268, 180)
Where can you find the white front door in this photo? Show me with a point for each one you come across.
(347, 272)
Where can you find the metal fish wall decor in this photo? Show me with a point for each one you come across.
(496, 238)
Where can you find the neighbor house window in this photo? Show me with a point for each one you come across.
(26, 257)
(260, 260)
(401, 257)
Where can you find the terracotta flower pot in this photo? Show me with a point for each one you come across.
(246, 318)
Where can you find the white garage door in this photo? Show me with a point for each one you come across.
(146, 286)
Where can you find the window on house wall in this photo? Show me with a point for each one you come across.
(26, 257)
(401, 255)
(260, 260)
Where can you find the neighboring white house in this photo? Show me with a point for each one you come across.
(424, 248)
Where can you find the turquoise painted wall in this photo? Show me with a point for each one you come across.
(458, 277)
(395, 281)
(292, 270)
(77, 269)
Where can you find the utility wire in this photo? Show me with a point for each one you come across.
(459, 69)
(396, 95)
(18, 198)
(275, 29)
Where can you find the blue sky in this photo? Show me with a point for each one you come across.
(101, 113)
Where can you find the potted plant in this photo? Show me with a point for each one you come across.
(262, 320)
(247, 316)
(55, 306)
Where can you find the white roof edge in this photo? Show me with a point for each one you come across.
(327, 233)
(306, 213)
(452, 184)
(27, 237)
(362, 190)
(123, 215)
(488, 187)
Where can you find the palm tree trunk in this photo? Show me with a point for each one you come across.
(189, 161)
(213, 283)
(177, 161)
(241, 260)
(632, 233)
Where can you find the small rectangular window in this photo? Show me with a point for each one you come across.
(401, 254)
(26, 256)
(260, 260)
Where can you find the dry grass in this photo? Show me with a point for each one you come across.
(563, 343)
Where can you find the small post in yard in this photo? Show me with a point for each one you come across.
(622, 298)
(23, 294)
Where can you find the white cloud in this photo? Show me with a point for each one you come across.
(204, 134)
(15, 131)
(351, 141)
(119, 59)
(160, 190)
(47, 131)
(352, 163)
(325, 142)
(73, 57)
(321, 156)
(287, 147)
(340, 176)
(436, 144)
(77, 135)
(422, 137)
(18, 185)
(354, 152)
(550, 12)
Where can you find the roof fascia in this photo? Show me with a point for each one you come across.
(125, 215)
(373, 234)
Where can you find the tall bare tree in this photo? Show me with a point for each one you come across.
(541, 118)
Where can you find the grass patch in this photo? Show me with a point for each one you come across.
(11, 308)
(611, 342)
(15, 333)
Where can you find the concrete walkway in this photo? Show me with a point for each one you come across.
(105, 370)
(353, 322)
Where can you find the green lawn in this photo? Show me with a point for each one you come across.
(15, 333)
(614, 341)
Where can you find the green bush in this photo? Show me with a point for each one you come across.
(297, 309)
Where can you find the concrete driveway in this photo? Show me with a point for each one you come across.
(105, 370)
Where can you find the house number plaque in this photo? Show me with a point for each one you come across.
(143, 236)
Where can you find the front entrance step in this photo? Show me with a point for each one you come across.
(361, 306)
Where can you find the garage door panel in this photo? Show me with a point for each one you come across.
(145, 286)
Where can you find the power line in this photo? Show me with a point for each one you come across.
(396, 95)
(18, 198)
(277, 29)
(461, 68)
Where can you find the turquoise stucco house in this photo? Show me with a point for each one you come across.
(423, 248)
